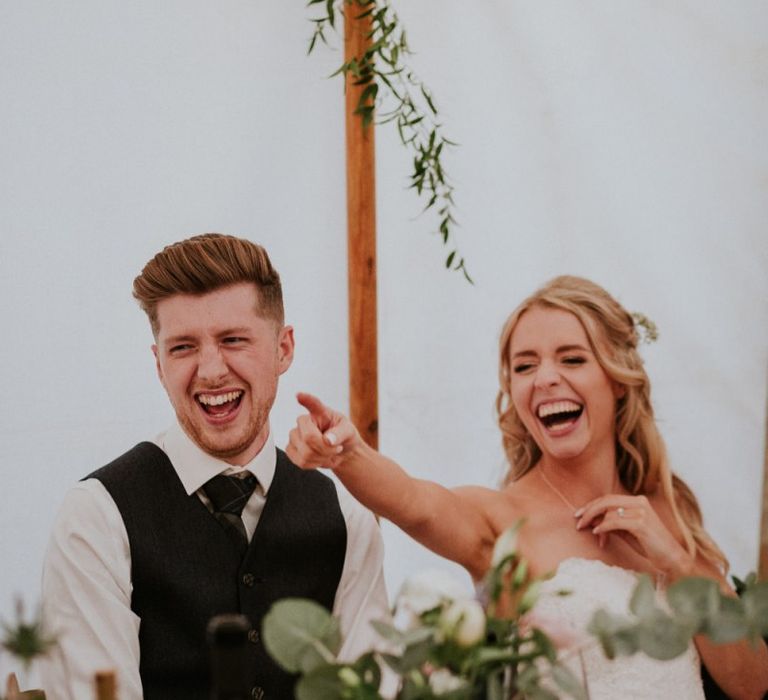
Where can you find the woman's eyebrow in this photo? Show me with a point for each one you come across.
(575, 346)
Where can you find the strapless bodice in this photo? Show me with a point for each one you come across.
(593, 585)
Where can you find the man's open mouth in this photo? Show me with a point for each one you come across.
(559, 414)
(219, 405)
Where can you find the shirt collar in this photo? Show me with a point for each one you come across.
(195, 467)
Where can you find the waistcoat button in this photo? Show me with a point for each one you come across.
(249, 580)
(257, 693)
(253, 636)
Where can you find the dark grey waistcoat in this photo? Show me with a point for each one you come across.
(185, 570)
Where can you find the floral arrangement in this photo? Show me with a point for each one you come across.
(443, 644)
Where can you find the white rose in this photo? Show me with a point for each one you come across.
(427, 591)
(464, 622)
(443, 681)
(506, 544)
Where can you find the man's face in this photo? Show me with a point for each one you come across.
(219, 362)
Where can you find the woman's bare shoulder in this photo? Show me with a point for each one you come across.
(501, 506)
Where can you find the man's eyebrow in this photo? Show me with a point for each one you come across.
(240, 330)
(172, 340)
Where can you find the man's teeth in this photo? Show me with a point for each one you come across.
(218, 399)
(557, 407)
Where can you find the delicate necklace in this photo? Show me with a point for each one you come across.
(559, 493)
(555, 489)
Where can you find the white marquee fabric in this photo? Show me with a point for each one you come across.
(621, 141)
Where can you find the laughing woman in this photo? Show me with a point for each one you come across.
(588, 472)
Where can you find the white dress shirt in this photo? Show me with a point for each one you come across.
(87, 574)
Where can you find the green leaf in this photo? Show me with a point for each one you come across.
(729, 624)
(300, 634)
(616, 635)
(755, 600)
(387, 631)
(694, 599)
(567, 681)
(25, 640)
(321, 684)
(643, 601)
(428, 99)
(662, 637)
(530, 597)
(369, 671)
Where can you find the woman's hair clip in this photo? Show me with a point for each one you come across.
(645, 328)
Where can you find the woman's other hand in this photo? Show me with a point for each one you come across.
(321, 437)
(635, 520)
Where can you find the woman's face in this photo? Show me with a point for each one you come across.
(563, 396)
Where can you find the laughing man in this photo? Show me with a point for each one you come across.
(144, 553)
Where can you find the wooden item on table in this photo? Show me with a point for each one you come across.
(106, 685)
(12, 691)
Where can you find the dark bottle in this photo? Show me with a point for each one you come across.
(227, 641)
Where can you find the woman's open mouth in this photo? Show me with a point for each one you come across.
(559, 415)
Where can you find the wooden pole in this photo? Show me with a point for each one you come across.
(763, 564)
(361, 242)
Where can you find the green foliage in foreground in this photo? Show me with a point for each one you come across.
(467, 655)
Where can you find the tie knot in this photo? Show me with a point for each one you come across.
(229, 494)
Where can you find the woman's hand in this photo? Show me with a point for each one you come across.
(322, 437)
(634, 520)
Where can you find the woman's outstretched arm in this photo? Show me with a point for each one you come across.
(452, 523)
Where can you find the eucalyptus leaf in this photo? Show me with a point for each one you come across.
(387, 631)
(729, 624)
(662, 637)
(568, 682)
(300, 634)
(321, 684)
(415, 655)
(694, 599)
(616, 634)
(369, 670)
(755, 600)
(643, 600)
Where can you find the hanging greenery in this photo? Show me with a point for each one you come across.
(394, 93)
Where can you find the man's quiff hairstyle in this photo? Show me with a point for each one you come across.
(204, 263)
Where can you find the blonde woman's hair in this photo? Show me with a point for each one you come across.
(641, 456)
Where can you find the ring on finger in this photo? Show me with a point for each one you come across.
(620, 511)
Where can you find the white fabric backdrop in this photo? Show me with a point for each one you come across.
(621, 141)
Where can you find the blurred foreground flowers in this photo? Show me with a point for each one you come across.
(445, 644)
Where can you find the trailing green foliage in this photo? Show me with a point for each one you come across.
(401, 98)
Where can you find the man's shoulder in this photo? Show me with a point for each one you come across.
(141, 456)
(308, 476)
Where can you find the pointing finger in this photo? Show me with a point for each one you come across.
(321, 414)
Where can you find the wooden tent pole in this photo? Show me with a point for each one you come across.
(763, 562)
(361, 242)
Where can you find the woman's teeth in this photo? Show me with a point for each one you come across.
(559, 413)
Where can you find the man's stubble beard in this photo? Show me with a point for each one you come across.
(252, 430)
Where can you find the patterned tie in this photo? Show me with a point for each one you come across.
(228, 495)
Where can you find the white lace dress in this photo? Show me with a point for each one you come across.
(593, 585)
